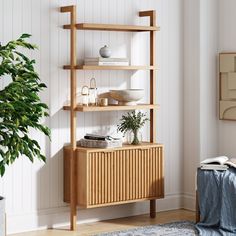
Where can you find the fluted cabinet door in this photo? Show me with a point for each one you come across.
(110, 177)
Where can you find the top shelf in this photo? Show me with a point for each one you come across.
(112, 27)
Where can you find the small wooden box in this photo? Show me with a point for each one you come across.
(115, 176)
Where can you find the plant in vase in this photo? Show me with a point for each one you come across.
(21, 108)
(133, 122)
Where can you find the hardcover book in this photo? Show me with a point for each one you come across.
(218, 163)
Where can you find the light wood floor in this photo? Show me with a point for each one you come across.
(117, 224)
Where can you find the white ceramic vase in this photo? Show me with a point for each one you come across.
(105, 52)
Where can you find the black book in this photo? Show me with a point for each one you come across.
(95, 138)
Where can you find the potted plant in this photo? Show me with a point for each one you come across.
(133, 122)
(21, 108)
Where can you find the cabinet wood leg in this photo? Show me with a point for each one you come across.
(152, 208)
(73, 190)
(73, 218)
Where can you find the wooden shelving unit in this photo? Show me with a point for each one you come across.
(96, 177)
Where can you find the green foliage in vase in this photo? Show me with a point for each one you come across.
(20, 106)
(132, 121)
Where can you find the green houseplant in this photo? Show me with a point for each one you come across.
(133, 121)
(20, 107)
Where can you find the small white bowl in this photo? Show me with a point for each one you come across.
(127, 97)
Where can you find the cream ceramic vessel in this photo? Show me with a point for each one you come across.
(127, 97)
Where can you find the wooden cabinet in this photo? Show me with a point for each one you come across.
(108, 177)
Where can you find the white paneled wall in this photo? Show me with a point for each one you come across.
(200, 102)
(227, 37)
(35, 192)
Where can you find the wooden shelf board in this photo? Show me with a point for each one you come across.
(86, 67)
(143, 145)
(112, 27)
(113, 107)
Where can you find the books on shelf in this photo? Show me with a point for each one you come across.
(99, 141)
(99, 137)
(218, 163)
(100, 61)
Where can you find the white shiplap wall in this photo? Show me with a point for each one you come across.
(227, 36)
(35, 192)
(200, 83)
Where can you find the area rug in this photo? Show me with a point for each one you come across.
(171, 229)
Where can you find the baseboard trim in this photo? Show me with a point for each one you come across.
(189, 202)
(59, 217)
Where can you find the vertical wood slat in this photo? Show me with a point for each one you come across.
(139, 173)
(148, 175)
(103, 180)
(115, 178)
(142, 173)
(153, 172)
(97, 179)
(145, 173)
(134, 173)
(131, 174)
(118, 176)
(108, 177)
(124, 182)
(90, 179)
(160, 166)
(125, 175)
(112, 178)
(156, 173)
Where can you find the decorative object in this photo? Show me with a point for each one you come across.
(105, 52)
(83, 97)
(131, 137)
(133, 121)
(21, 109)
(184, 228)
(127, 97)
(227, 86)
(103, 102)
(93, 92)
(83, 164)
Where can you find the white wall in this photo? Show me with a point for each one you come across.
(191, 97)
(227, 43)
(209, 43)
(200, 89)
(34, 192)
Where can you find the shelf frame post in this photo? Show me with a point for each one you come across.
(73, 185)
(152, 15)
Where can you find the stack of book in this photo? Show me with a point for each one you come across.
(218, 163)
(99, 141)
(100, 61)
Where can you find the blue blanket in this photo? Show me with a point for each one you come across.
(217, 202)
